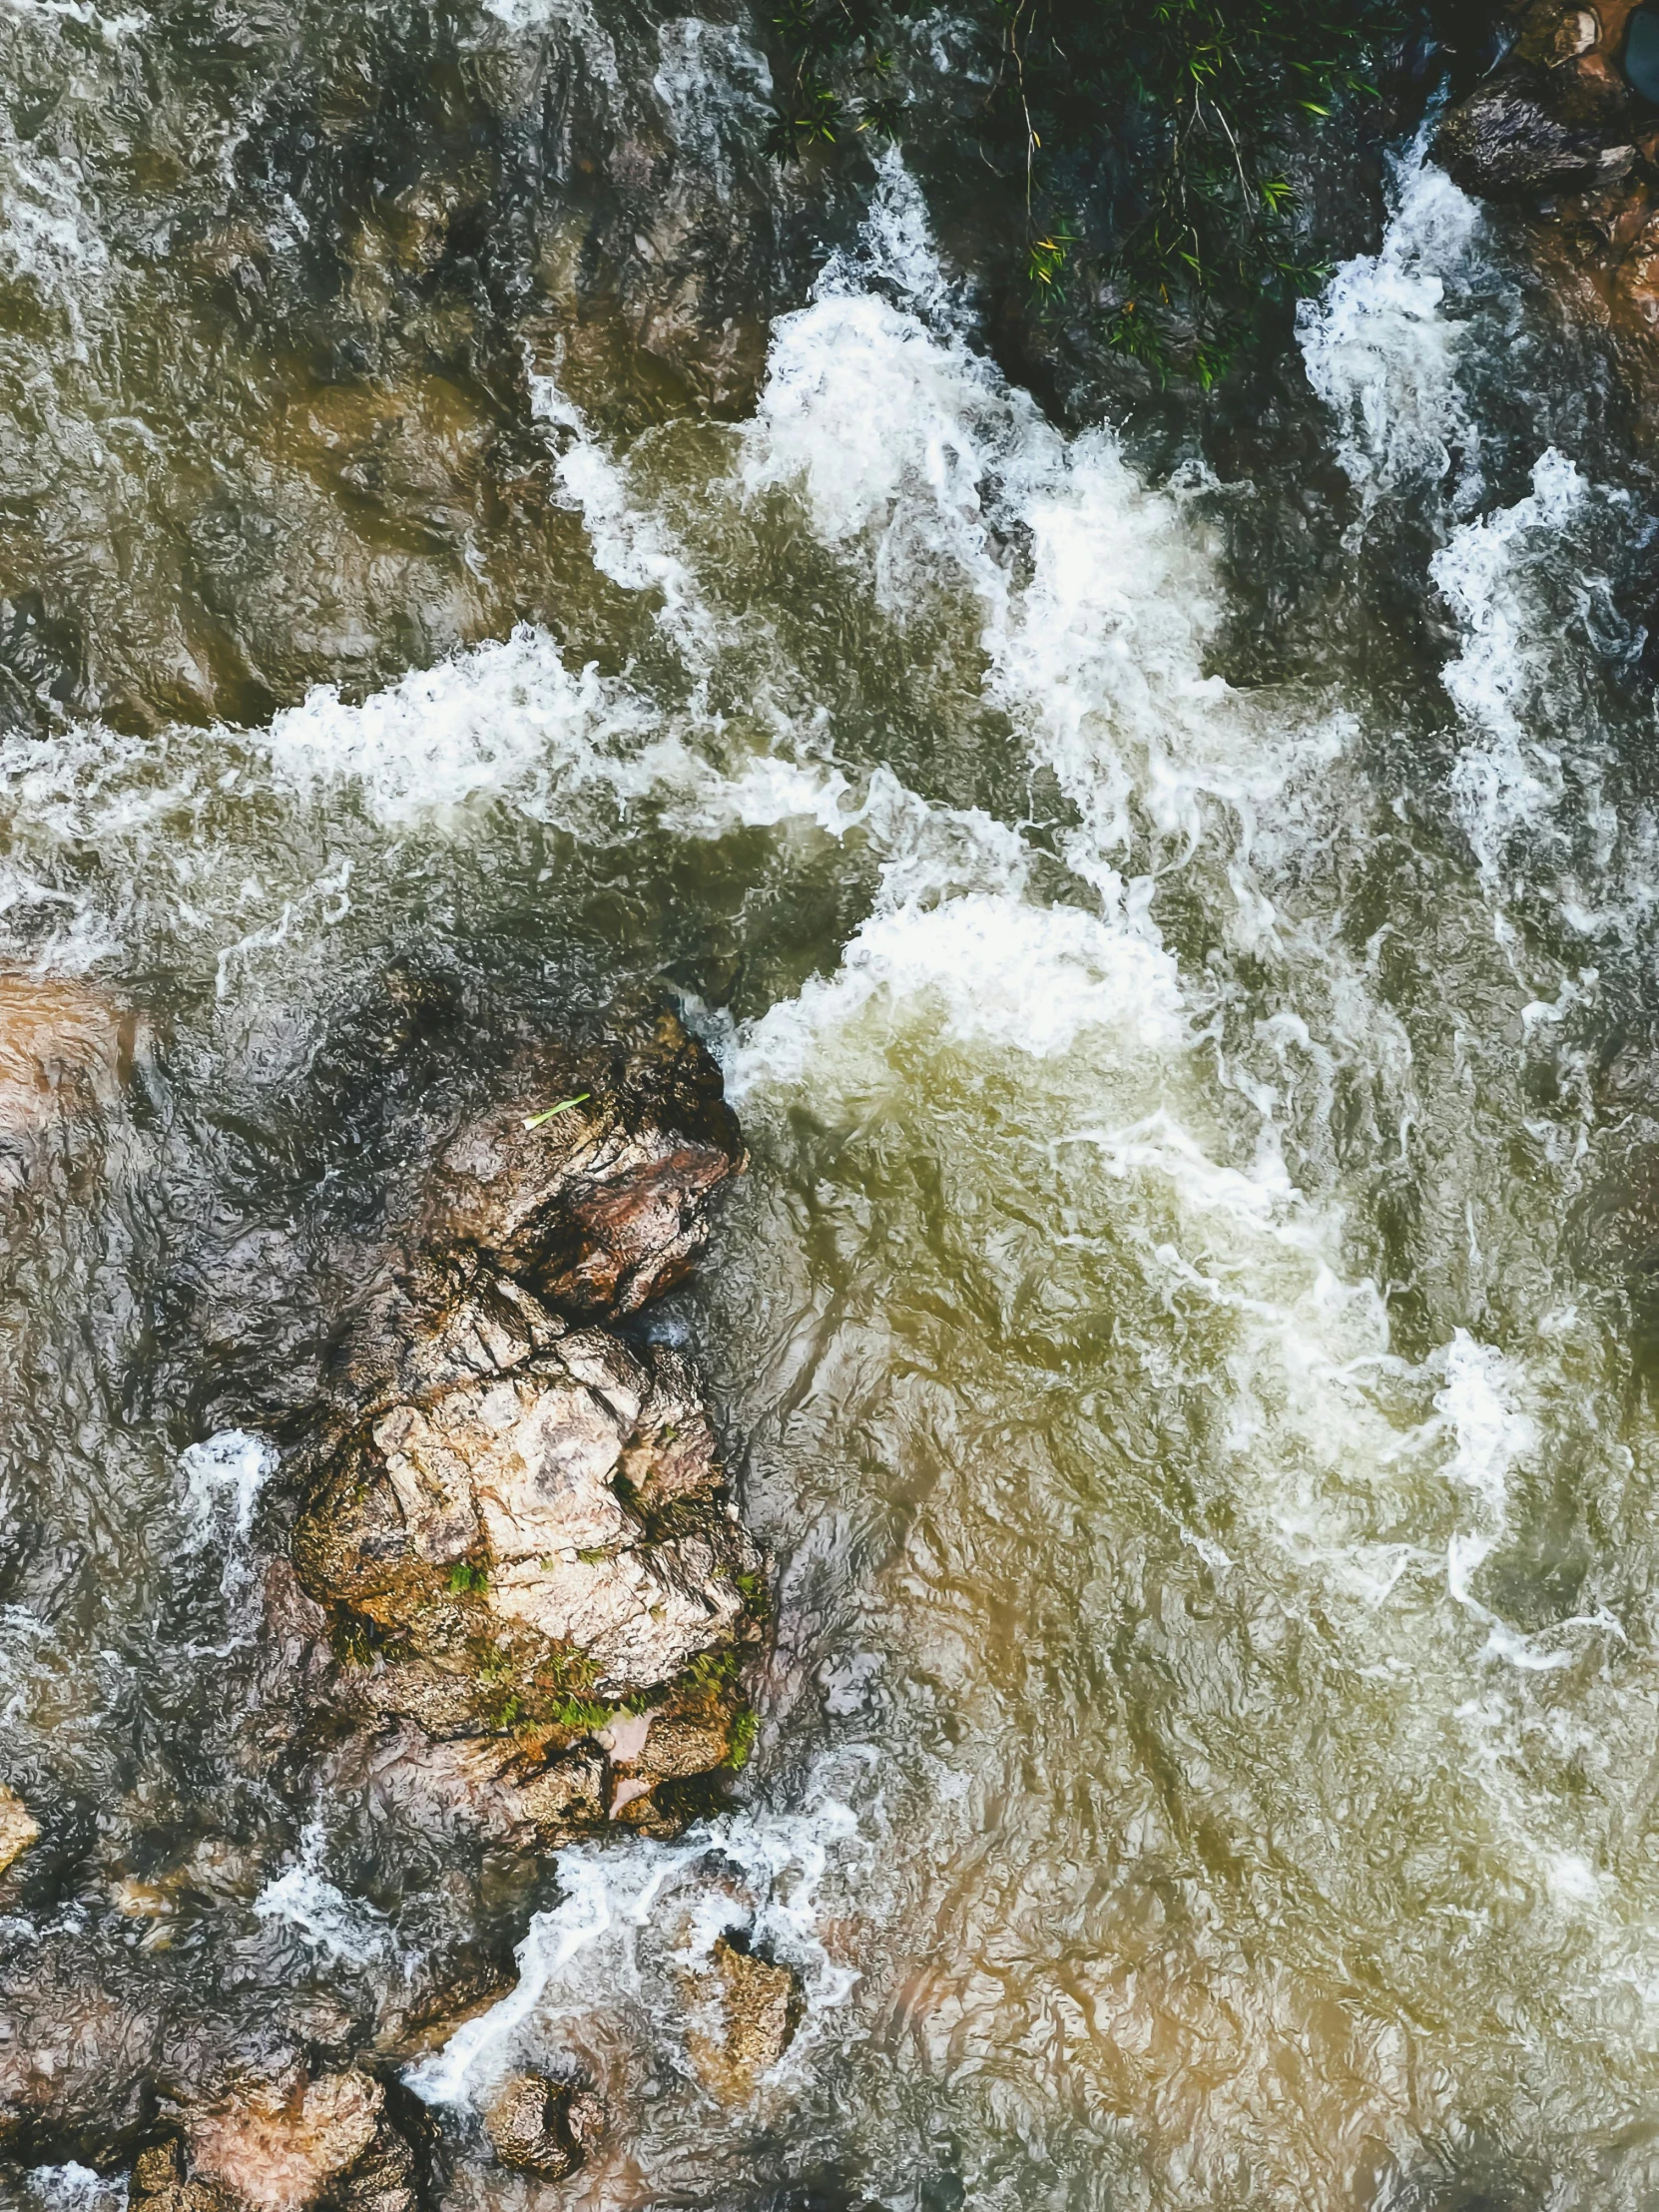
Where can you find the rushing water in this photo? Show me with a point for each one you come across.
(1179, 933)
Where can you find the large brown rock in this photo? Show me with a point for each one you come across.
(566, 1494)
(591, 1177)
(1512, 140)
(544, 2127)
(744, 2015)
(331, 2142)
(516, 1518)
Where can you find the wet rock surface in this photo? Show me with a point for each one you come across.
(521, 1519)
(18, 1828)
(67, 1050)
(340, 2139)
(518, 1603)
(591, 1181)
(744, 2014)
(544, 2127)
(1560, 133)
(1513, 138)
(359, 238)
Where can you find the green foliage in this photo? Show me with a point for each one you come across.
(467, 1577)
(745, 1729)
(1047, 259)
(845, 41)
(1196, 225)
(1149, 139)
(712, 1670)
(552, 1113)
(566, 1671)
(353, 1644)
(582, 1716)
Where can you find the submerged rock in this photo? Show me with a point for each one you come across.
(66, 1050)
(335, 2141)
(18, 1828)
(544, 2127)
(746, 2012)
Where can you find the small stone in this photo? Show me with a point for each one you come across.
(160, 2183)
(748, 2009)
(18, 1828)
(1552, 35)
(541, 2126)
(1577, 31)
(158, 2169)
(625, 1737)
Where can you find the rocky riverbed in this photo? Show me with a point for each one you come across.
(518, 1603)
(1080, 1632)
(1564, 134)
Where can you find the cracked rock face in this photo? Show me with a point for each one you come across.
(527, 1522)
(591, 1178)
(566, 1498)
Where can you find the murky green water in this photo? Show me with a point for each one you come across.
(1179, 930)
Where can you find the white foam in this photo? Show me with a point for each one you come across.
(113, 27)
(896, 251)
(1380, 345)
(584, 1951)
(630, 544)
(1482, 573)
(222, 1480)
(597, 49)
(503, 718)
(996, 969)
(75, 2188)
(341, 1928)
(717, 90)
(876, 420)
(49, 236)
(1509, 778)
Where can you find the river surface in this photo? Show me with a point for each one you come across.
(1177, 911)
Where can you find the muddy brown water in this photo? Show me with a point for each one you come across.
(1176, 913)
